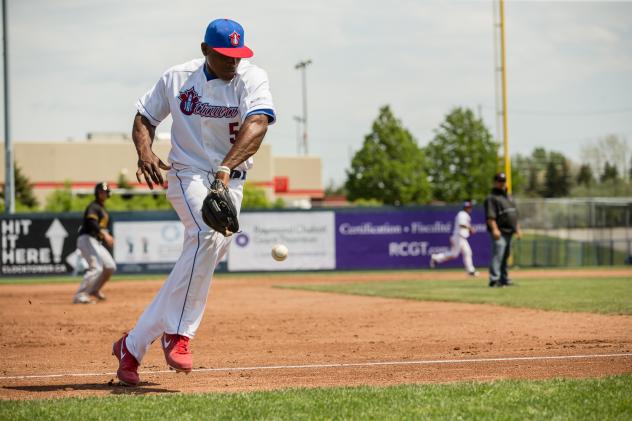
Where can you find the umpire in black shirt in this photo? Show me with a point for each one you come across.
(502, 223)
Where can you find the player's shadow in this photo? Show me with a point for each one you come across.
(112, 386)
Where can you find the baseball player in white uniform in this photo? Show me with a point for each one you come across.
(460, 233)
(221, 107)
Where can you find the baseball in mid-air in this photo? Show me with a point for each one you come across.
(279, 252)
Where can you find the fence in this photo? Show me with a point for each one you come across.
(574, 232)
(556, 233)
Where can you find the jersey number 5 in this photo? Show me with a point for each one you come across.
(233, 130)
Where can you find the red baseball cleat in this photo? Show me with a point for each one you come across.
(177, 352)
(127, 372)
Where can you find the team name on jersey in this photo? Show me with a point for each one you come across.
(190, 104)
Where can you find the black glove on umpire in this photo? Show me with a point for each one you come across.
(218, 210)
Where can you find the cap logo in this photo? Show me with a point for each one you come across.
(234, 39)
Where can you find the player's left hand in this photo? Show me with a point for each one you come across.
(218, 210)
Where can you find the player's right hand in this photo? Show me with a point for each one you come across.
(496, 234)
(149, 166)
(108, 240)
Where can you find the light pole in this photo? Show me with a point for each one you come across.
(9, 181)
(302, 66)
(298, 120)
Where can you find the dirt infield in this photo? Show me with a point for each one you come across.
(255, 337)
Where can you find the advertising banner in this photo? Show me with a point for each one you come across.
(309, 236)
(399, 239)
(147, 246)
(38, 246)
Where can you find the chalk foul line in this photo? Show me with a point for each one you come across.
(336, 365)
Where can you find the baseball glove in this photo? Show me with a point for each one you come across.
(218, 210)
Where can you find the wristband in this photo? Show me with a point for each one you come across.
(223, 168)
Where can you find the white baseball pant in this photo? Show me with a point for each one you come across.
(459, 246)
(179, 305)
(101, 264)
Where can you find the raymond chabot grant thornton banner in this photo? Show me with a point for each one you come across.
(309, 236)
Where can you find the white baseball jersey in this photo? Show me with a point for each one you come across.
(462, 218)
(207, 111)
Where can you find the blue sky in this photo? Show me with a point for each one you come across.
(78, 66)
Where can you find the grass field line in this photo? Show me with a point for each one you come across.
(336, 365)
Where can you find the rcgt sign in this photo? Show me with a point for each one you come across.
(37, 246)
(402, 238)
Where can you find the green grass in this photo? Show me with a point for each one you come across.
(608, 398)
(604, 295)
(534, 250)
(241, 275)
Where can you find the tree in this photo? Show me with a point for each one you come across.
(612, 149)
(550, 180)
(63, 200)
(557, 180)
(333, 189)
(255, 198)
(539, 163)
(122, 182)
(585, 175)
(609, 173)
(24, 189)
(389, 167)
(519, 173)
(24, 196)
(462, 157)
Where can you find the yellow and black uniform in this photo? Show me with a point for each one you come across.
(95, 219)
(92, 245)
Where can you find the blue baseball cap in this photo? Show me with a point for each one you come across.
(467, 204)
(227, 38)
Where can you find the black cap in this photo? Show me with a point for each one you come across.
(102, 186)
(500, 177)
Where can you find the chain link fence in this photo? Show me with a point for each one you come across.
(574, 232)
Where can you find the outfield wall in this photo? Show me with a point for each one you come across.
(145, 242)
(340, 239)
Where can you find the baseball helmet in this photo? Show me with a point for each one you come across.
(500, 177)
(102, 186)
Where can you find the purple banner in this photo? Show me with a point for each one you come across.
(396, 239)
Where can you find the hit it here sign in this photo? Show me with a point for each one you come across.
(37, 245)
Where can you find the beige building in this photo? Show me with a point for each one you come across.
(104, 157)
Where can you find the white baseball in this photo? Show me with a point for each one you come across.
(279, 252)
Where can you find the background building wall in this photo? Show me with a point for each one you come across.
(48, 165)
